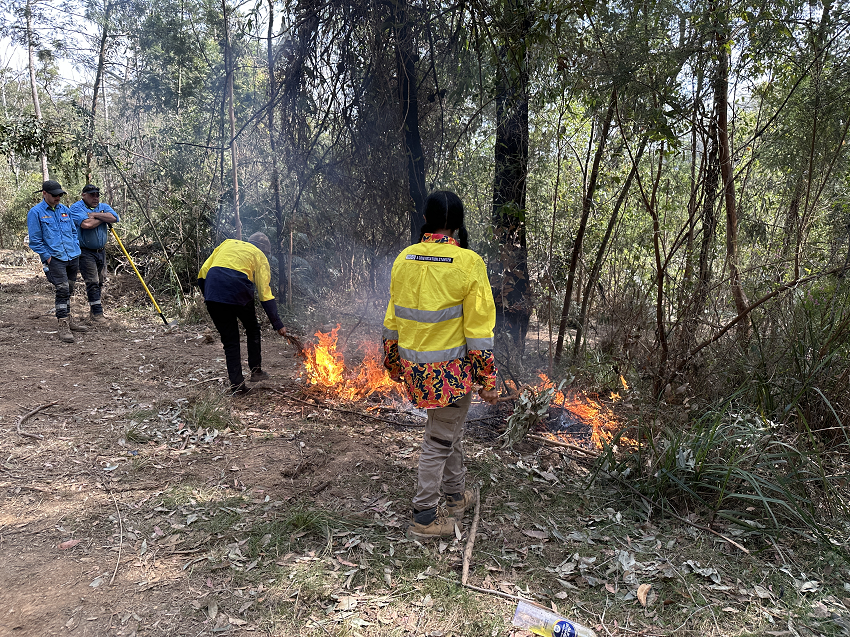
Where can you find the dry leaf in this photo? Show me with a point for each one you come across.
(212, 610)
(346, 603)
(642, 592)
(69, 544)
(537, 535)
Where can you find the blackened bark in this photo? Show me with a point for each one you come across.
(101, 63)
(511, 288)
(409, 101)
(278, 209)
(593, 278)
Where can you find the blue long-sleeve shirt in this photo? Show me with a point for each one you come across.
(91, 238)
(53, 232)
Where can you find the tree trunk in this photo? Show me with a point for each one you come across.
(228, 63)
(727, 173)
(593, 277)
(511, 288)
(278, 209)
(101, 61)
(45, 174)
(587, 204)
(409, 101)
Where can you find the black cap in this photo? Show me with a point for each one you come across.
(52, 187)
(90, 188)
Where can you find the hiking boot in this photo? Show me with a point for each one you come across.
(258, 374)
(430, 524)
(98, 319)
(65, 331)
(456, 503)
(76, 327)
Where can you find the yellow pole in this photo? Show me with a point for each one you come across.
(135, 269)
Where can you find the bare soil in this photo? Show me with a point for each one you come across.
(84, 546)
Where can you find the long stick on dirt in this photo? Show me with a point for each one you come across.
(120, 537)
(470, 542)
(29, 415)
(559, 443)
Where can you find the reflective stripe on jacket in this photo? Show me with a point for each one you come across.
(440, 318)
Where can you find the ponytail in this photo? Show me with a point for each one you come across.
(463, 237)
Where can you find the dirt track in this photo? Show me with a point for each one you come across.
(88, 487)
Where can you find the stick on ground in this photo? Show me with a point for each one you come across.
(470, 542)
(29, 415)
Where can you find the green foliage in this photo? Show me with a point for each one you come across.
(209, 410)
(735, 466)
(531, 408)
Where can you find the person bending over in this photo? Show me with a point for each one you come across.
(227, 281)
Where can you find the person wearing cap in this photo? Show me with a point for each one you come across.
(53, 236)
(228, 280)
(92, 219)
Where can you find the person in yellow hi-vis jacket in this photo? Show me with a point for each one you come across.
(227, 281)
(438, 341)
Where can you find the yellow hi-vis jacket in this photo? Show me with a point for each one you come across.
(231, 274)
(438, 328)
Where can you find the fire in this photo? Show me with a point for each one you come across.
(602, 420)
(324, 367)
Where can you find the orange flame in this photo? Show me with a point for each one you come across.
(324, 367)
(602, 420)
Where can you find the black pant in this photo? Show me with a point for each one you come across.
(62, 274)
(224, 317)
(92, 267)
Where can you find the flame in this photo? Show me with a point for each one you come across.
(324, 367)
(587, 408)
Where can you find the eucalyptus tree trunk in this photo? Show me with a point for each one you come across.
(726, 169)
(511, 288)
(408, 83)
(101, 62)
(13, 164)
(587, 205)
(278, 209)
(45, 174)
(228, 63)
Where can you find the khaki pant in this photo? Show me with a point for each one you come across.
(441, 460)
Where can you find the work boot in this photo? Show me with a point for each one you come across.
(258, 374)
(456, 503)
(430, 524)
(98, 319)
(76, 327)
(65, 331)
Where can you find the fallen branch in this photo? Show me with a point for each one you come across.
(120, 537)
(296, 343)
(470, 541)
(565, 445)
(340, 409)
(488, 591)
(29, 415)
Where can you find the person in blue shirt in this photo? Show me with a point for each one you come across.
(53, 236)
(92, 219)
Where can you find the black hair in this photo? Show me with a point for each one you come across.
(444, 209)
